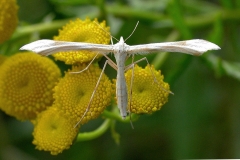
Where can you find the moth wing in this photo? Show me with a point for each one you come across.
(48, 47)
(194, 47)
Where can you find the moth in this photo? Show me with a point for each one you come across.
(121, 51)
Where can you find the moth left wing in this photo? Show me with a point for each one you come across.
(194, 47)
(47, 47)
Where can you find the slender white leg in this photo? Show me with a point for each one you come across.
(94, 91)
(111, 63)
(132, 78)
(86, 68)
(155, 79)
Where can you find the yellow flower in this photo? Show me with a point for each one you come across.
(147, 95)
(73, 92)
(2, 59)
(82, 31)
(8, 18)
(53, 131)
(26, 82)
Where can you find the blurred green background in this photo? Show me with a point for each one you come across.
(200, 121)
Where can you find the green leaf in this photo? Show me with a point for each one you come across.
(72, 2)
(222, 67)
(227, 3)
(176, 14)
(216, 35)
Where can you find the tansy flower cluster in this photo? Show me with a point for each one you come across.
(8, 18)
(32, 88)
(55, 128)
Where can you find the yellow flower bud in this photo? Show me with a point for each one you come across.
(8, 19)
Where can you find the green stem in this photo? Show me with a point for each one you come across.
(114, 114)
(176, 14)
(101, 6)
(175, 11)
(191, 21)
(125, 11)
(40, 28)
(86, 136)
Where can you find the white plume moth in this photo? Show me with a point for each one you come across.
(121, 51)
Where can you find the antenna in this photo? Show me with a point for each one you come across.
(106, 32)
(132, 31)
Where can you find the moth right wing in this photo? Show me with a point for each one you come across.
(194, 47)
(47, 47)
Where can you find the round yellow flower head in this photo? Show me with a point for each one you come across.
(53, 131)
(8, 18)
(26, 82)
(147, 95)
(82, 31)
(73, 93)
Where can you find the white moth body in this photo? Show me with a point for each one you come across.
(121, 51)
(120, 55)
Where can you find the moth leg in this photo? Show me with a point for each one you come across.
(94, 91)
(111, 63)
(131, 92)
(154, 77)
(86, 68)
